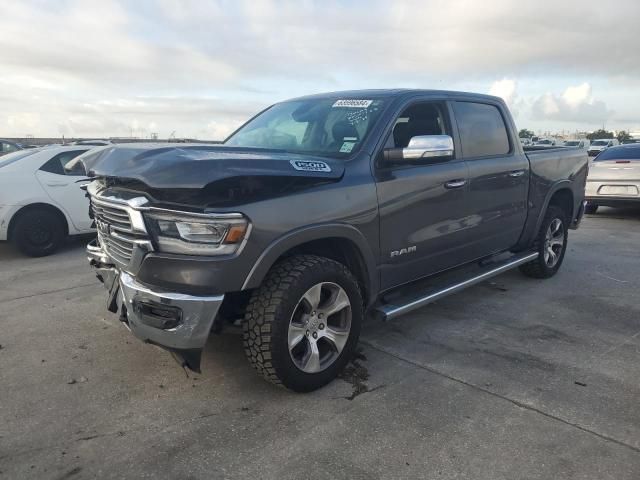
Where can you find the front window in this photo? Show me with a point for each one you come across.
(600, 143)
(334, 127)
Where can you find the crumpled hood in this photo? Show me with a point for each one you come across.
(195, 166)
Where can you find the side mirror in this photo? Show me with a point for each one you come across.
(421, 147)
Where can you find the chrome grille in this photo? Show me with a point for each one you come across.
(116, 234)
(116, 216)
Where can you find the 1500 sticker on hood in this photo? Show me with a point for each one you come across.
(310, 166)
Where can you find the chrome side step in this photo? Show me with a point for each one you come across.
(389, 311)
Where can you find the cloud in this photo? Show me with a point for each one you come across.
(93, 64)
(576, 104)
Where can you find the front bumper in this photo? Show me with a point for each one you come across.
(177, 322)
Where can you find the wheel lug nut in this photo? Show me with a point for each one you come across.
(321, 315)
(307, 334)
(321, 326)
(315, 334)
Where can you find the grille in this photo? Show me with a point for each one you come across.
(115, 231)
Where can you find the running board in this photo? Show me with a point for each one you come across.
(391, 310)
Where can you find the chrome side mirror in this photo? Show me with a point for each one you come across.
(427, 146)
(421, 147)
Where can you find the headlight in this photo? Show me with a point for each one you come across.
(198, 234)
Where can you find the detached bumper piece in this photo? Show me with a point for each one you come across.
(176, 322)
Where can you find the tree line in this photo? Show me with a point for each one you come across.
(623, 135)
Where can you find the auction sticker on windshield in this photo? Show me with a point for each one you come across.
(352, 103)
(347, 147)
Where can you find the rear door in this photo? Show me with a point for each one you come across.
(423, 204)
(63, 188)
(498, 176)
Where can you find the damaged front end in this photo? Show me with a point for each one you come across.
(177, 322)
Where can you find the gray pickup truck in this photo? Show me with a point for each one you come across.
(321, 211)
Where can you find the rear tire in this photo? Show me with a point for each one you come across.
(590, 209)
(38, 233)
(550, 243)
(302, 324)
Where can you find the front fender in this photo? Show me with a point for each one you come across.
(298, 237)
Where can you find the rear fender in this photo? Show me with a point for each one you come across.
(536, 216)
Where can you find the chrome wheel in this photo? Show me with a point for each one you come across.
(554, 242)
(319, 327)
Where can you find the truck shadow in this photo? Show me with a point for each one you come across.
(620, 213)
(74, 243)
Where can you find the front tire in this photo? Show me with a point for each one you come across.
(551, 245)
(302, 325)
(38, 233)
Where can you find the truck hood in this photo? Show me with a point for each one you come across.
(196, 166)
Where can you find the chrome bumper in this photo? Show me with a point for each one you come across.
(177, 322)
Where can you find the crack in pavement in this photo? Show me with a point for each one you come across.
(47, 292)
(503, 397)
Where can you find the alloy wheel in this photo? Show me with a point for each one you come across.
(319, 327)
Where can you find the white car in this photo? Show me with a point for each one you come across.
(600, 145)
(580, 143)
(40, 202)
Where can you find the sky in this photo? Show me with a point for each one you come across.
(199, 69)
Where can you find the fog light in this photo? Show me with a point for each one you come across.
(163, 317)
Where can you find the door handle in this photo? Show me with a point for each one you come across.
(57, 184)
(516, 173)
(455, 183)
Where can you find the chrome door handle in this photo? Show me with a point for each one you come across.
(516, 173)
(57, 184)
(455, 183)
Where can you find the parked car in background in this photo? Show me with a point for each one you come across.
(614, 178)
(7, 146)
(580, 143)
(41, 203)
(525, 141)
(550, 142)
(601, 144)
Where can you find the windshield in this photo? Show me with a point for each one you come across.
(572, 143)
(333, 127)
(620, 153)
(15, 156)
(600, 143)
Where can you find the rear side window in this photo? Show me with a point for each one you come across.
(57, 163)
(482, 129)
(620, 153)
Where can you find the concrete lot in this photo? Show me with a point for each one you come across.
(515, 378)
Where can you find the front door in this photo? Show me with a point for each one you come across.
(498, 177)
(423, 207)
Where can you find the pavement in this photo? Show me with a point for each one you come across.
(512, 379)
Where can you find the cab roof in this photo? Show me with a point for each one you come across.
(393, 93)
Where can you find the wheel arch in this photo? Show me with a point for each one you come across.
(343, 243)
(37, 206)
(560, 195)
